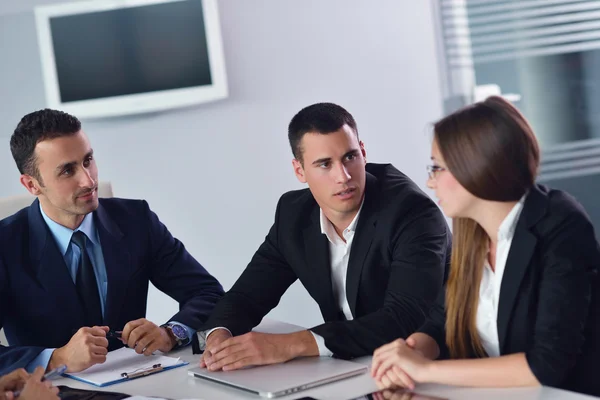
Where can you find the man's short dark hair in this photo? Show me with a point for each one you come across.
(36, 127)
(320, 118)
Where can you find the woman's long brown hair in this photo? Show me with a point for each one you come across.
(492, 152)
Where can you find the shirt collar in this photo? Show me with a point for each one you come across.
(327, 227)
(62, 235)
(509, 224)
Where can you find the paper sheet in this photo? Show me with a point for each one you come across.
(119, 361)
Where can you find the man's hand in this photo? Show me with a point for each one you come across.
(216, 337)
(146, 337)
(425, 344)
(87, 347)
(13, 381)
(35, 389)
(257, 348)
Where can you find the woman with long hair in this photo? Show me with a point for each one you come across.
(522, 302)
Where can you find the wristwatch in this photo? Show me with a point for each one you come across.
(177, 332)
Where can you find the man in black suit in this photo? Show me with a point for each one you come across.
(368, 245)
(72, 265)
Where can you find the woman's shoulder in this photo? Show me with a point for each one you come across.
(561, 211)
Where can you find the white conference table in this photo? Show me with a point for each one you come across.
(177, 384)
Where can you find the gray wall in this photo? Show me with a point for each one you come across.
(214, 173)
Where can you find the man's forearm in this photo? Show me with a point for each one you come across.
(302, 344)
(56, 359)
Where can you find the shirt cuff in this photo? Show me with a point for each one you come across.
(41, 360)
(323, 350)
(190, 333)
(208, 332)
(203, 335)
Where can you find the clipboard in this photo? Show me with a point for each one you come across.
(125, 365)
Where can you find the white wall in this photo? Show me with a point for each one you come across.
(214, 173)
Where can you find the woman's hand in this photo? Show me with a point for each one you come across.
(36, 389)
(394, 395)
(396, 364)
(13, 381)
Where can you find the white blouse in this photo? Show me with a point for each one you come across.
(489, 290)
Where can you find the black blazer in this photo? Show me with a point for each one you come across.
(396, 269)
(39, 306)
(550, 294)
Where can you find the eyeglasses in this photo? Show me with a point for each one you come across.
(433, 171)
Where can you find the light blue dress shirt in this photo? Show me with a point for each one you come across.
(72, 254)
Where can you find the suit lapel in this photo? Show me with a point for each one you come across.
(316, 248)
(361, 243)
(117, 262)
(518, 260)
(49, 268)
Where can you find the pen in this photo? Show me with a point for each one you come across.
(114, 334)
(55, 372)
(49, 375)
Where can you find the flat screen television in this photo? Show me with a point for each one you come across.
(105, 58)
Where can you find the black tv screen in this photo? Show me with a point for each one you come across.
(131, 50)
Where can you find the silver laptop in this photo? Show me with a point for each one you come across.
(281, 379)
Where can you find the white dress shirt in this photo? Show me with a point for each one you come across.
(339, 254)
(491, 281)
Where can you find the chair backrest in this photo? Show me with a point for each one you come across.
(12, 204)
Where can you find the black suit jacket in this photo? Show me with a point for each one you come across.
(550, 295)
(396, 269)
(39, 305)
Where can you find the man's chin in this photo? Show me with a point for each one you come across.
(88, 206)
(349, 208)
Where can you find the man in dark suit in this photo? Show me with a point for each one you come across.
(369, 246)
(73, 266)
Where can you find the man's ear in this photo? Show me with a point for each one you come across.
(31, 184)
(362, 149)
(299, 170)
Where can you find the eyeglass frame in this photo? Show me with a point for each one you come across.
(433, 170)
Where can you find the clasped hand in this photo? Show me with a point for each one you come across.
(229, 353)
(398, 364)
